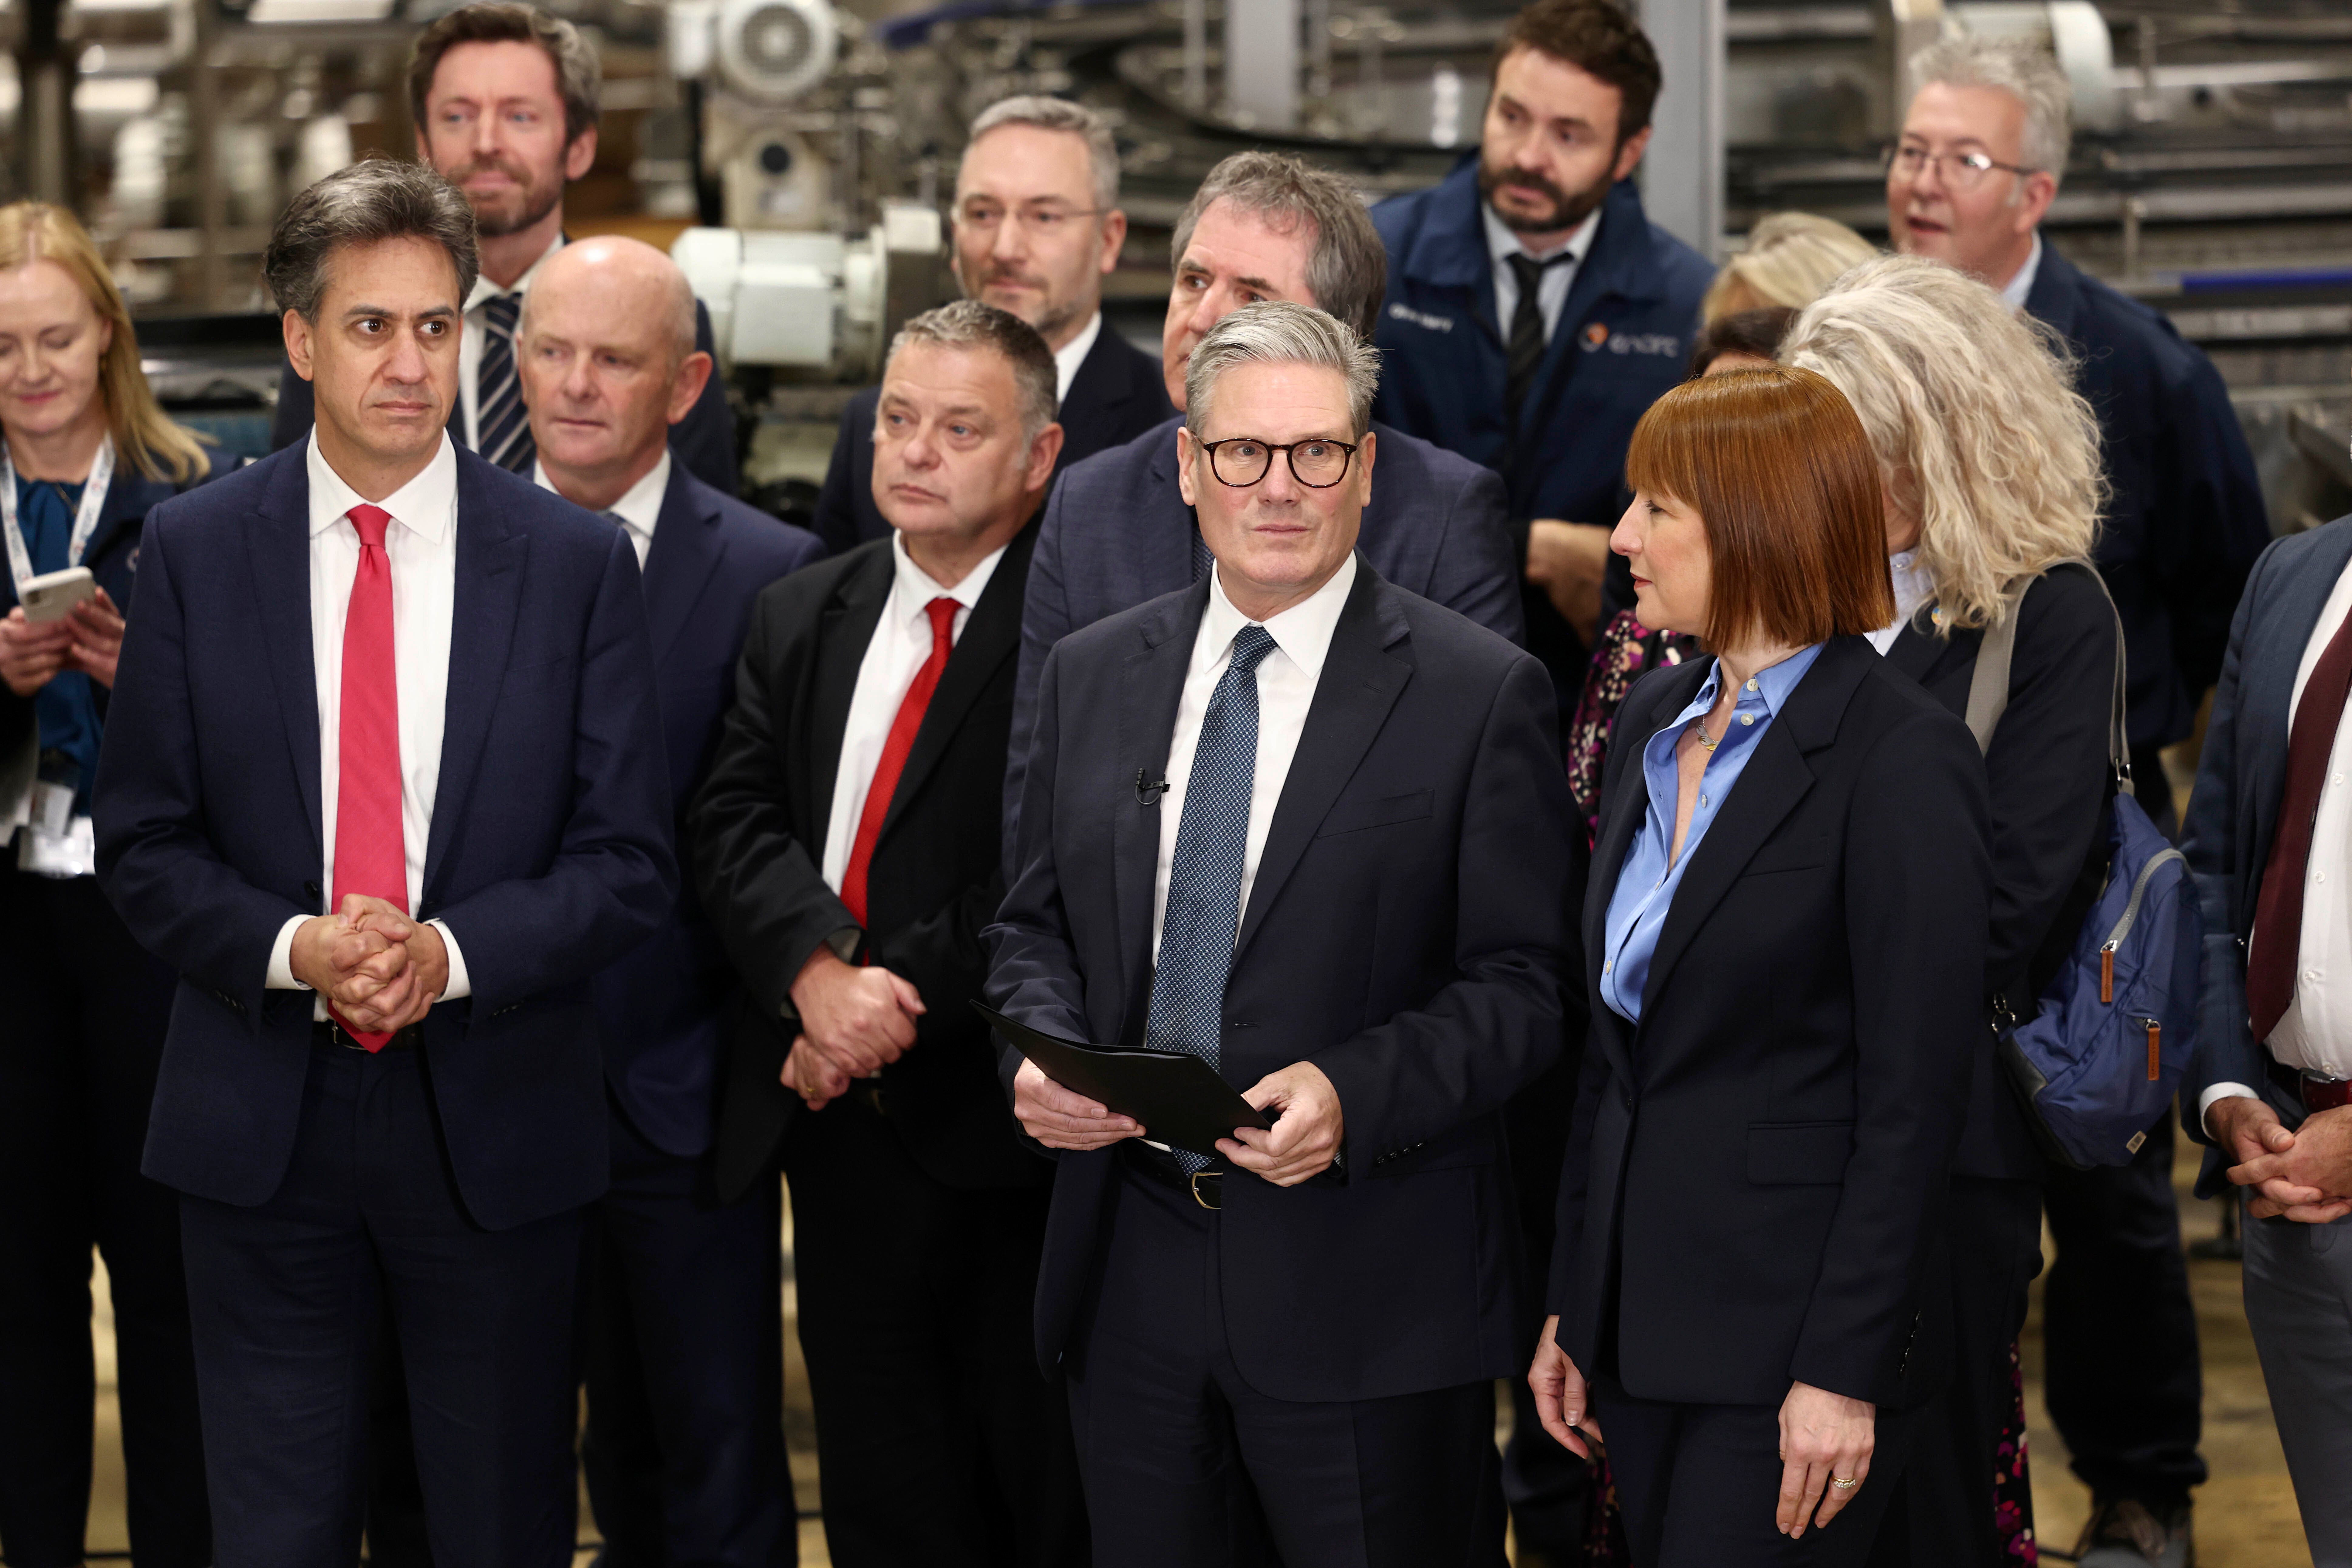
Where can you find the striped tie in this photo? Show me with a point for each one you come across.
(499, 416)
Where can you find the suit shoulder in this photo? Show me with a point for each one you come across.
(799, 593)
(1422, 461)
(2325, 547)
(773, 540)
(1115, 469)
(1115, 633)
(1437, 628)
(1400, 217)
(547, 517)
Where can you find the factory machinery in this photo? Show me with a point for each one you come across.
(797, 158)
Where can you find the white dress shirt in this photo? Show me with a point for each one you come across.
(420, 545)
(2013, 293)
(470, 343)
(1286, 690)
(639, 507)
(1551, 293)
(1913, 586)
(2315, 1034)
(1072, 354)
(895, 655)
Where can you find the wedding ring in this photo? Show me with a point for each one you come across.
(1842, 1485)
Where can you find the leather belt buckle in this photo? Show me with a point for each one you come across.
(1208, 1188)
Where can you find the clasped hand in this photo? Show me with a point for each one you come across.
(88, 638)
(2305, 1175)
(381, 971)
(1307, 1135)
(854, 1020)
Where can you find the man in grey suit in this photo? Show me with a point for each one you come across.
(2270, 1088)
(1118, 532)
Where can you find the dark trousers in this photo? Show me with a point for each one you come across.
(1699, 1485)
(87, 1010)
(683, 1356)
(937, 1442)
(1548, 1488)
(286, 1297)
(1187, 1466)
(1940, 1512)
(2119, 1332)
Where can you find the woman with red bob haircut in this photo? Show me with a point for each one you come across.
(1784, 942)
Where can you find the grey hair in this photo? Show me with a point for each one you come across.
(1347, 268)
(2021, 67)
(968, 324)
(1278, 332)
(1058, 114)
(1971, 411)
(371, 201)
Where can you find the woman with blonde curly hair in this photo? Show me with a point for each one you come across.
(1789, 260)
(1989, 461)
(87, 453)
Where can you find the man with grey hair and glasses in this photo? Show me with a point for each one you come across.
(845, 846)
(388, 794)
(1311, 828)
(1036, 228)
(1983, 149)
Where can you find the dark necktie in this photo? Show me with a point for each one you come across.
(1205, 880)
(501, 419)
(2278, 913)
(1527, 344)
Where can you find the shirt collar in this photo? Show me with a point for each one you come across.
(1767, 687)
(1303, 631)
(485, 289)
(1502, 240)
(426, 506)
(2013, 293)
(914, 589)
(639, 507)
(1072, 354)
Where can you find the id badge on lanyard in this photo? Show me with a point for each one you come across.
(55, 840)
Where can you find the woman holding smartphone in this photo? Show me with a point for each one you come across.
(88, 452)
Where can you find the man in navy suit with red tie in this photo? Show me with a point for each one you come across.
(384, 783)
(685, 1449)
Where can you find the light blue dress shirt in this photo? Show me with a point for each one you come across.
(1647, 880)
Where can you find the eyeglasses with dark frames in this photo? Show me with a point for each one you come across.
(1960, 171)
(1241, 461)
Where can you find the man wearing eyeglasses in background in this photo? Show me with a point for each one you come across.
(1037, 228)
(1983, 149)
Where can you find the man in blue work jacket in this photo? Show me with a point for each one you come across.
(1534, 312)
(1984, 147)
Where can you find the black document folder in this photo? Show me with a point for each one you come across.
(1179, 1099)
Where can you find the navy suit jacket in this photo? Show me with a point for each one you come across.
(664, 1005)
(1117, 395)
(1406, 932)
(2233, 814)
(549, 855)
(704, 440)
(2186, 519)
(1754, 1191)
(1118, 534)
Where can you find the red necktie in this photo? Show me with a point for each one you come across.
(369, 856)
(903, 728)
(2278, 912)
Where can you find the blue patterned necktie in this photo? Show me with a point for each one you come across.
(1205, 882)
(501, 419)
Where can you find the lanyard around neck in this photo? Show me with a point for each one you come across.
(93, 502)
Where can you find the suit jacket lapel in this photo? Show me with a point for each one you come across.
(1162, 556)
(1915, 654)
(277, 544)
(490, 557)
(990, 638)
(1359, 683)
(1623, 819)
(687, 553)
(1151, 684)
(1096, 390)
(1776, 777)
(2266, 693)
(847, 627)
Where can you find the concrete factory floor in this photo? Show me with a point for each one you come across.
(2245, 1514)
